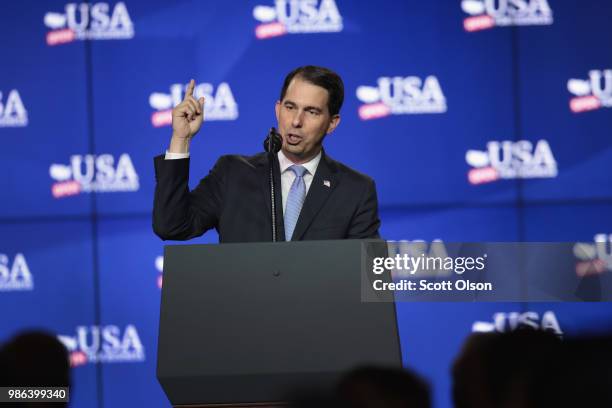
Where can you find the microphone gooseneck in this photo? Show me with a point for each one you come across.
(272, 145)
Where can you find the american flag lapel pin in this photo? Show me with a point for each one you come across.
(326, 183)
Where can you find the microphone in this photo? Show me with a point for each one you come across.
(273, 141)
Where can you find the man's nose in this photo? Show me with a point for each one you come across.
(297, 118)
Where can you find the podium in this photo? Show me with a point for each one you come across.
(247, 324)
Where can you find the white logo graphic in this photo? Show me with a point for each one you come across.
(297, 16)
(592, 93)
(104, 344)
(415, 249)
(15, 276)
(90, 173)
(596, 258)
(159, 265)
(486, 14)
(400, 96)
(507, 322)
(89, 21)
(12, 111)
(220, 103)
(511, 160)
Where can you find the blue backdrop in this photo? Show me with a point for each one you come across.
(480, 120)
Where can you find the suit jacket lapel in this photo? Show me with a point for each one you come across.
(323, 184)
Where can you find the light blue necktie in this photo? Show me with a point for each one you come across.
(295, 199)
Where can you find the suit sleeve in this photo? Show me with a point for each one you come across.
(365, 222)
(179, 214)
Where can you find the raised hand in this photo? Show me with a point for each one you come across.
(187, 118)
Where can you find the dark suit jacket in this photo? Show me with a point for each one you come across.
(235, 199)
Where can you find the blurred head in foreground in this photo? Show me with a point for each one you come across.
(34, 359)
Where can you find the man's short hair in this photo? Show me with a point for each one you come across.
(323, 77)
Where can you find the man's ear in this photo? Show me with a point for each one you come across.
(333, 124)
(277, 110)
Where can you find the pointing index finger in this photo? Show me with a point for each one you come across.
(189, 92)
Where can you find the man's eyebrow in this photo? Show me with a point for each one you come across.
(309, 107)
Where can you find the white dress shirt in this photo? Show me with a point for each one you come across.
(174, 156)
(287, 176)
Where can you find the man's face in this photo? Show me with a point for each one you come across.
(304, 120)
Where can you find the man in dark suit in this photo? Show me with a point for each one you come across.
(319, 197)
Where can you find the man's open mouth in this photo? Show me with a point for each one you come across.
(293, 139)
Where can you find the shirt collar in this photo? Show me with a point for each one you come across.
(311, 166)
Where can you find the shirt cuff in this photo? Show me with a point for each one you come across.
(174, 156)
